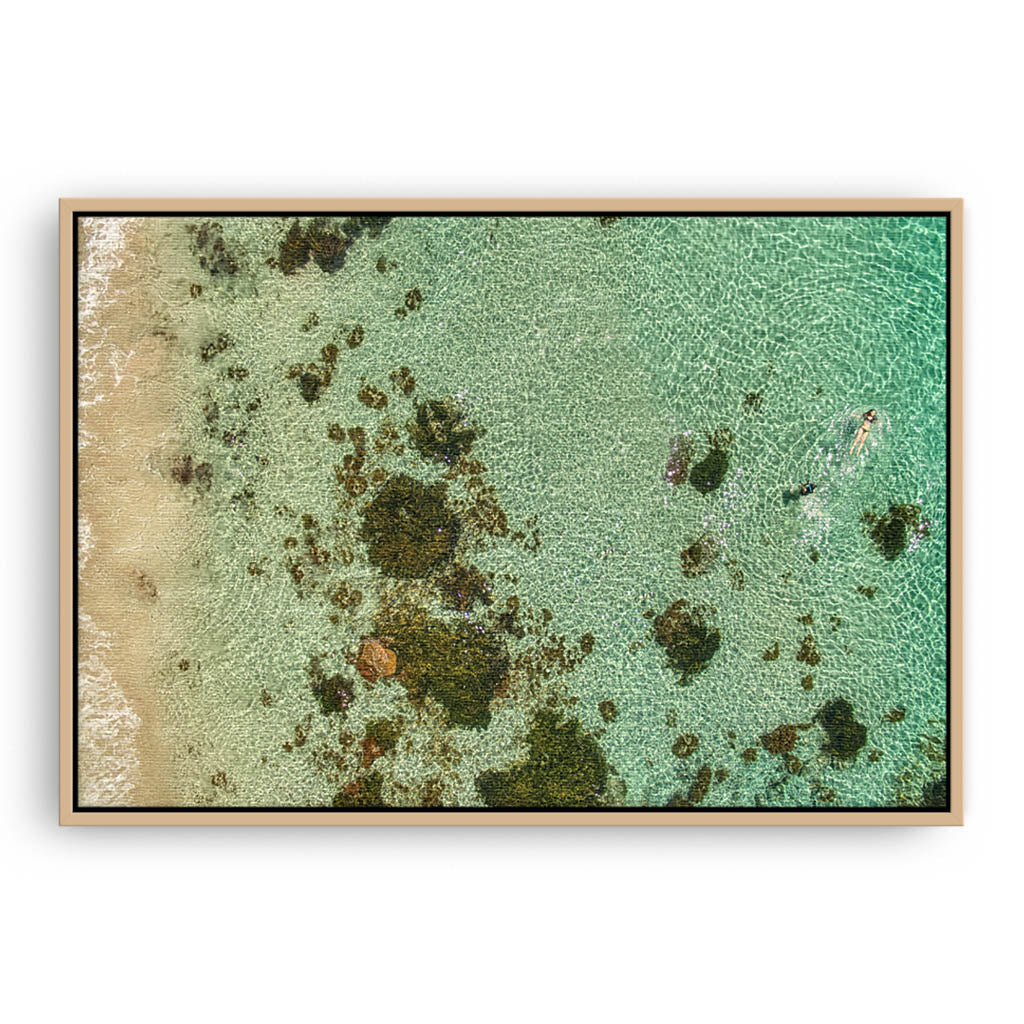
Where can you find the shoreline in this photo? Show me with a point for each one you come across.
(127, 570)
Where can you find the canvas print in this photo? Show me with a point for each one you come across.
(379, 510)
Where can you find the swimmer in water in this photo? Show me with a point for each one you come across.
(862, 434)
(806, 489)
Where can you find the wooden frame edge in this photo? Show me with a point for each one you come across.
(66, 443)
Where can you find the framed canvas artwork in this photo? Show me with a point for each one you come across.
(511, 511)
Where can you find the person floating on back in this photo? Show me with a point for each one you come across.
(862, 433)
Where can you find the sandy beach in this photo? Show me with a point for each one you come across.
(131, 521)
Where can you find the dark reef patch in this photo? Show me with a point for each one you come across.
(293, 252)
(698, 790)
(371, 225)
(458, 665)
(403, 380)
(344, 597)
(327, 245)
(364, 792)
(808, 652)
(214, 348)
(893, 530)
(441, 431)
(565, 768)
(208, 245)
(334, 693)
(372, 398)
(781, 740)
(313, 379)
(935, 793)
(685, 744)
(324, 241)
(464, 586)
(700, 556)
(185, 471)
(408, 528)
(380, 738)
(483, 515)
(689, 641)
(844, 735)
(708, 474)
(609, 711)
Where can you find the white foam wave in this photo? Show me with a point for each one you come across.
(107, 725)
(102, 254)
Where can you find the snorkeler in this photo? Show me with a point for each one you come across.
(862, 433)
(796, 491)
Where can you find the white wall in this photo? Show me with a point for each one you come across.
(524, 99)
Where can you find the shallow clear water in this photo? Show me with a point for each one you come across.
(581, 350)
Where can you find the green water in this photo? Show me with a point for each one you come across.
(581, 350)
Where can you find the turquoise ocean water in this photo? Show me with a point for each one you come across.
(581, 349)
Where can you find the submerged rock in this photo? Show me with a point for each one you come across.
(375, 661)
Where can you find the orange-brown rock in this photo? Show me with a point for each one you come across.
(375, 661)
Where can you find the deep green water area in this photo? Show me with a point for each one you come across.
(546, 465)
